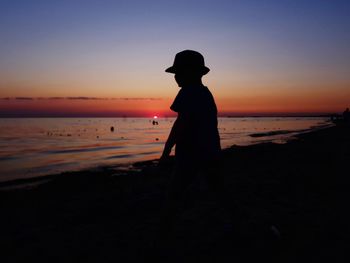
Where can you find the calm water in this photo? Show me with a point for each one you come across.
(40, 146)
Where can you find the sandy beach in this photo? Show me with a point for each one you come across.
(292, 198)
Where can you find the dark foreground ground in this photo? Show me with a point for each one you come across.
(295, 199)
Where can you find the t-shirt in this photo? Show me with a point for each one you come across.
(200, 139)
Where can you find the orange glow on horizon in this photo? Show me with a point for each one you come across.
(248, 101)
(65, 107)
(255, 105)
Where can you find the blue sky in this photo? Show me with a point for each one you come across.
(121, 48)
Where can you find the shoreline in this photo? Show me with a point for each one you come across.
(120, 168)
(299, 189)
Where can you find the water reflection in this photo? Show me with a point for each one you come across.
(37, 146)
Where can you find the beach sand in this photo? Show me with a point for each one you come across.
(292, 199)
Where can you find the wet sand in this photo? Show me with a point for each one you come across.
(292, 199)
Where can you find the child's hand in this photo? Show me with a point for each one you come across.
(164, 160)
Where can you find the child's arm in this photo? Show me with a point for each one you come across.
(175, 133)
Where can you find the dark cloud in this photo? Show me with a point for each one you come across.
(122, 98)
(75, 98)
(136, 98)
(24, 98)
(85, 98)
(54, 98)
(17, 98)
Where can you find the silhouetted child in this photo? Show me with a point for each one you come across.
(194, 133)
(197, 144)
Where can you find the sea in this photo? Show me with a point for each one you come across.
(31, 147)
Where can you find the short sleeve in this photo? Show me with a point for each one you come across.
(196, 103)
(179, 102)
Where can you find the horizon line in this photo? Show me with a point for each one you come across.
(223, 115)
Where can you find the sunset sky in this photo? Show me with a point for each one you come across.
(107, 58)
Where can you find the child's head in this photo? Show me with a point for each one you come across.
(185, 78)
(188, 68)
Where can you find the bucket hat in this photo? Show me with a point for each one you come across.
(188, 61)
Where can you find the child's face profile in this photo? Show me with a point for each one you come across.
(184, 78)
(180, 79)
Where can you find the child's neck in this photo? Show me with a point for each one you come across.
(194, 83)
